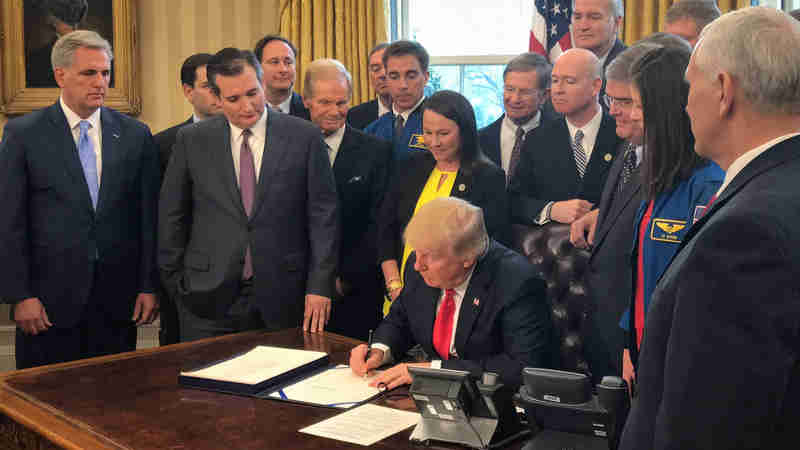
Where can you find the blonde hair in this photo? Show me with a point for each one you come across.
(449, 222)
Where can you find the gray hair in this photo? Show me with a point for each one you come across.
(66, 46)
(760, 48)
(666, 40)
(702, 12)
(325, 69)
(614, 6)
(619, 69)
(531, 62)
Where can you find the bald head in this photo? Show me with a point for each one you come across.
(576, 81)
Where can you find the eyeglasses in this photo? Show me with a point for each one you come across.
(621, 102)
(524, 93)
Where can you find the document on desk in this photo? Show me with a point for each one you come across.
(364, 425)
(336, 386)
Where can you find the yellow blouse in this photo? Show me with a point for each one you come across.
(439, 184)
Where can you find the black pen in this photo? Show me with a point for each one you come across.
(369, 347)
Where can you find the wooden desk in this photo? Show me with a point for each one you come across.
(132, 400)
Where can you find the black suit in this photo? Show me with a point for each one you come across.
(503, 325)
(608, 274)
(547, 170)
(482, 185)
(360, 170)
(86, 266)
(292, 231)
(719, 365)
(165, 140)
(489, 136)
(362, 115)
(297, 108)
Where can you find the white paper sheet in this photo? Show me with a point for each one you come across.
(337, 386)
(364, 425)
(259, 364)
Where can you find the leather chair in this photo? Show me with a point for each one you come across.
(561, 265)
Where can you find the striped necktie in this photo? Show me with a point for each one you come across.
(580, 155)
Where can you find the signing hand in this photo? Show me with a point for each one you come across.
(358, 364)
(317, 313)
(31, 317)
(569, 211)
(581, 233)
(396, 376)
(145, 310)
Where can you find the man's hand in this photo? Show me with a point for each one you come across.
(581, 233)
(317, 313)
(396, 376)
(358, 364)
(145, 310)
(569, 211)
(31, 317)
(628, 374)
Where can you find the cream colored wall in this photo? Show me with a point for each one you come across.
(171, 30)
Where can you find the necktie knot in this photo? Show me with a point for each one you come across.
(520, 133)
(399, 123)
(85, 125)
(578, 137)
(246, 133)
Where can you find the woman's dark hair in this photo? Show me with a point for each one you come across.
(457, 108)
(669, 155)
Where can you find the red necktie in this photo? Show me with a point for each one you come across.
(443, 326)
(638, 305)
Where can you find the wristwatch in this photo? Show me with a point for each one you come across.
(394, 284)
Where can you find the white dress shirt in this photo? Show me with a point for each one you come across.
(458, 297)
(257, 141)
(284, 106)
(508, 135)
(95, 133)
(334, 141)
(745, 159)
(405, 113)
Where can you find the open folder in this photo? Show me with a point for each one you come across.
(278, 373)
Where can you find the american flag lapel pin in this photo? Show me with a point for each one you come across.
(476, 301)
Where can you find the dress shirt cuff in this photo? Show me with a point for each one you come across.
(544, 214)
(436, 364)
(387, 352)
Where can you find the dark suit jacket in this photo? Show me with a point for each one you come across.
(503, 325)
(292, 234)
(483, 186)
(608, 274)
(49, 232)
(362, 115)
(719, 365)
(547, 170)
(361, 171)
(297, 108)
(165, 140)
(489, 136)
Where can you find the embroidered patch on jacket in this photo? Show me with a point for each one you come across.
(667, 230)
(417, 141)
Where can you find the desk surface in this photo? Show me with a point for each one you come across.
(133, 400)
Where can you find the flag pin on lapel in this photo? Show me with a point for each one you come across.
(461, 187)
(476, 301)
(607, 157)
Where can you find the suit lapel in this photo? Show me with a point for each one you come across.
(111, 157)
(343, 154)
(276, 145)
(569, 155)
(618, 203)
(424, 305)
(471, 306)
(63, 140)
(600, 160)
(462, 186)
(223, 159)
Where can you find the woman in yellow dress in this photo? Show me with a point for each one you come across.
(454, 165)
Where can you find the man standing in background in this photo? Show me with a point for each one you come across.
(362, 115)
(687, 18)
(278, 57)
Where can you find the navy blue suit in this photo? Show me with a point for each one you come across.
(70, 256)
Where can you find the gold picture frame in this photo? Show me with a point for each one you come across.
(17, 98)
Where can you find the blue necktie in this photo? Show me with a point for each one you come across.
(88, 161)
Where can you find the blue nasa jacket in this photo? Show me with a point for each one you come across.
(411, 140)
(673, 213)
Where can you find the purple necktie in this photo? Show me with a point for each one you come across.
(247, 186)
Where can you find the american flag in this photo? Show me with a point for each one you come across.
(550, 34)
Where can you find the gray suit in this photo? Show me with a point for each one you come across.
(293, 231)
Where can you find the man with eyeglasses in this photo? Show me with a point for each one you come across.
(362, 115)
(526, 88)
(607, 230)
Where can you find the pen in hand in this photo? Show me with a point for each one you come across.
(366, 357)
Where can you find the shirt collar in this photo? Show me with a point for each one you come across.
(742, 161)
(73, 119)
(334, 140)
(258, 129)
(407, 113)
(284, 106)
(527, 126)
(591, 127)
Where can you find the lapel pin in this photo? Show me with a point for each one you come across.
(608, 157)
(476, 301)
(461, 187)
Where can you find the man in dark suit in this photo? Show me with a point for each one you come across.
(609, 229)
(471, 303)
(204, 105)
(248, 214)
(360, 164)
(526, 88)
(595, 26)
(278, 58)
(719, 365)
(362, 115)
(79, 192)
(564, 163)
